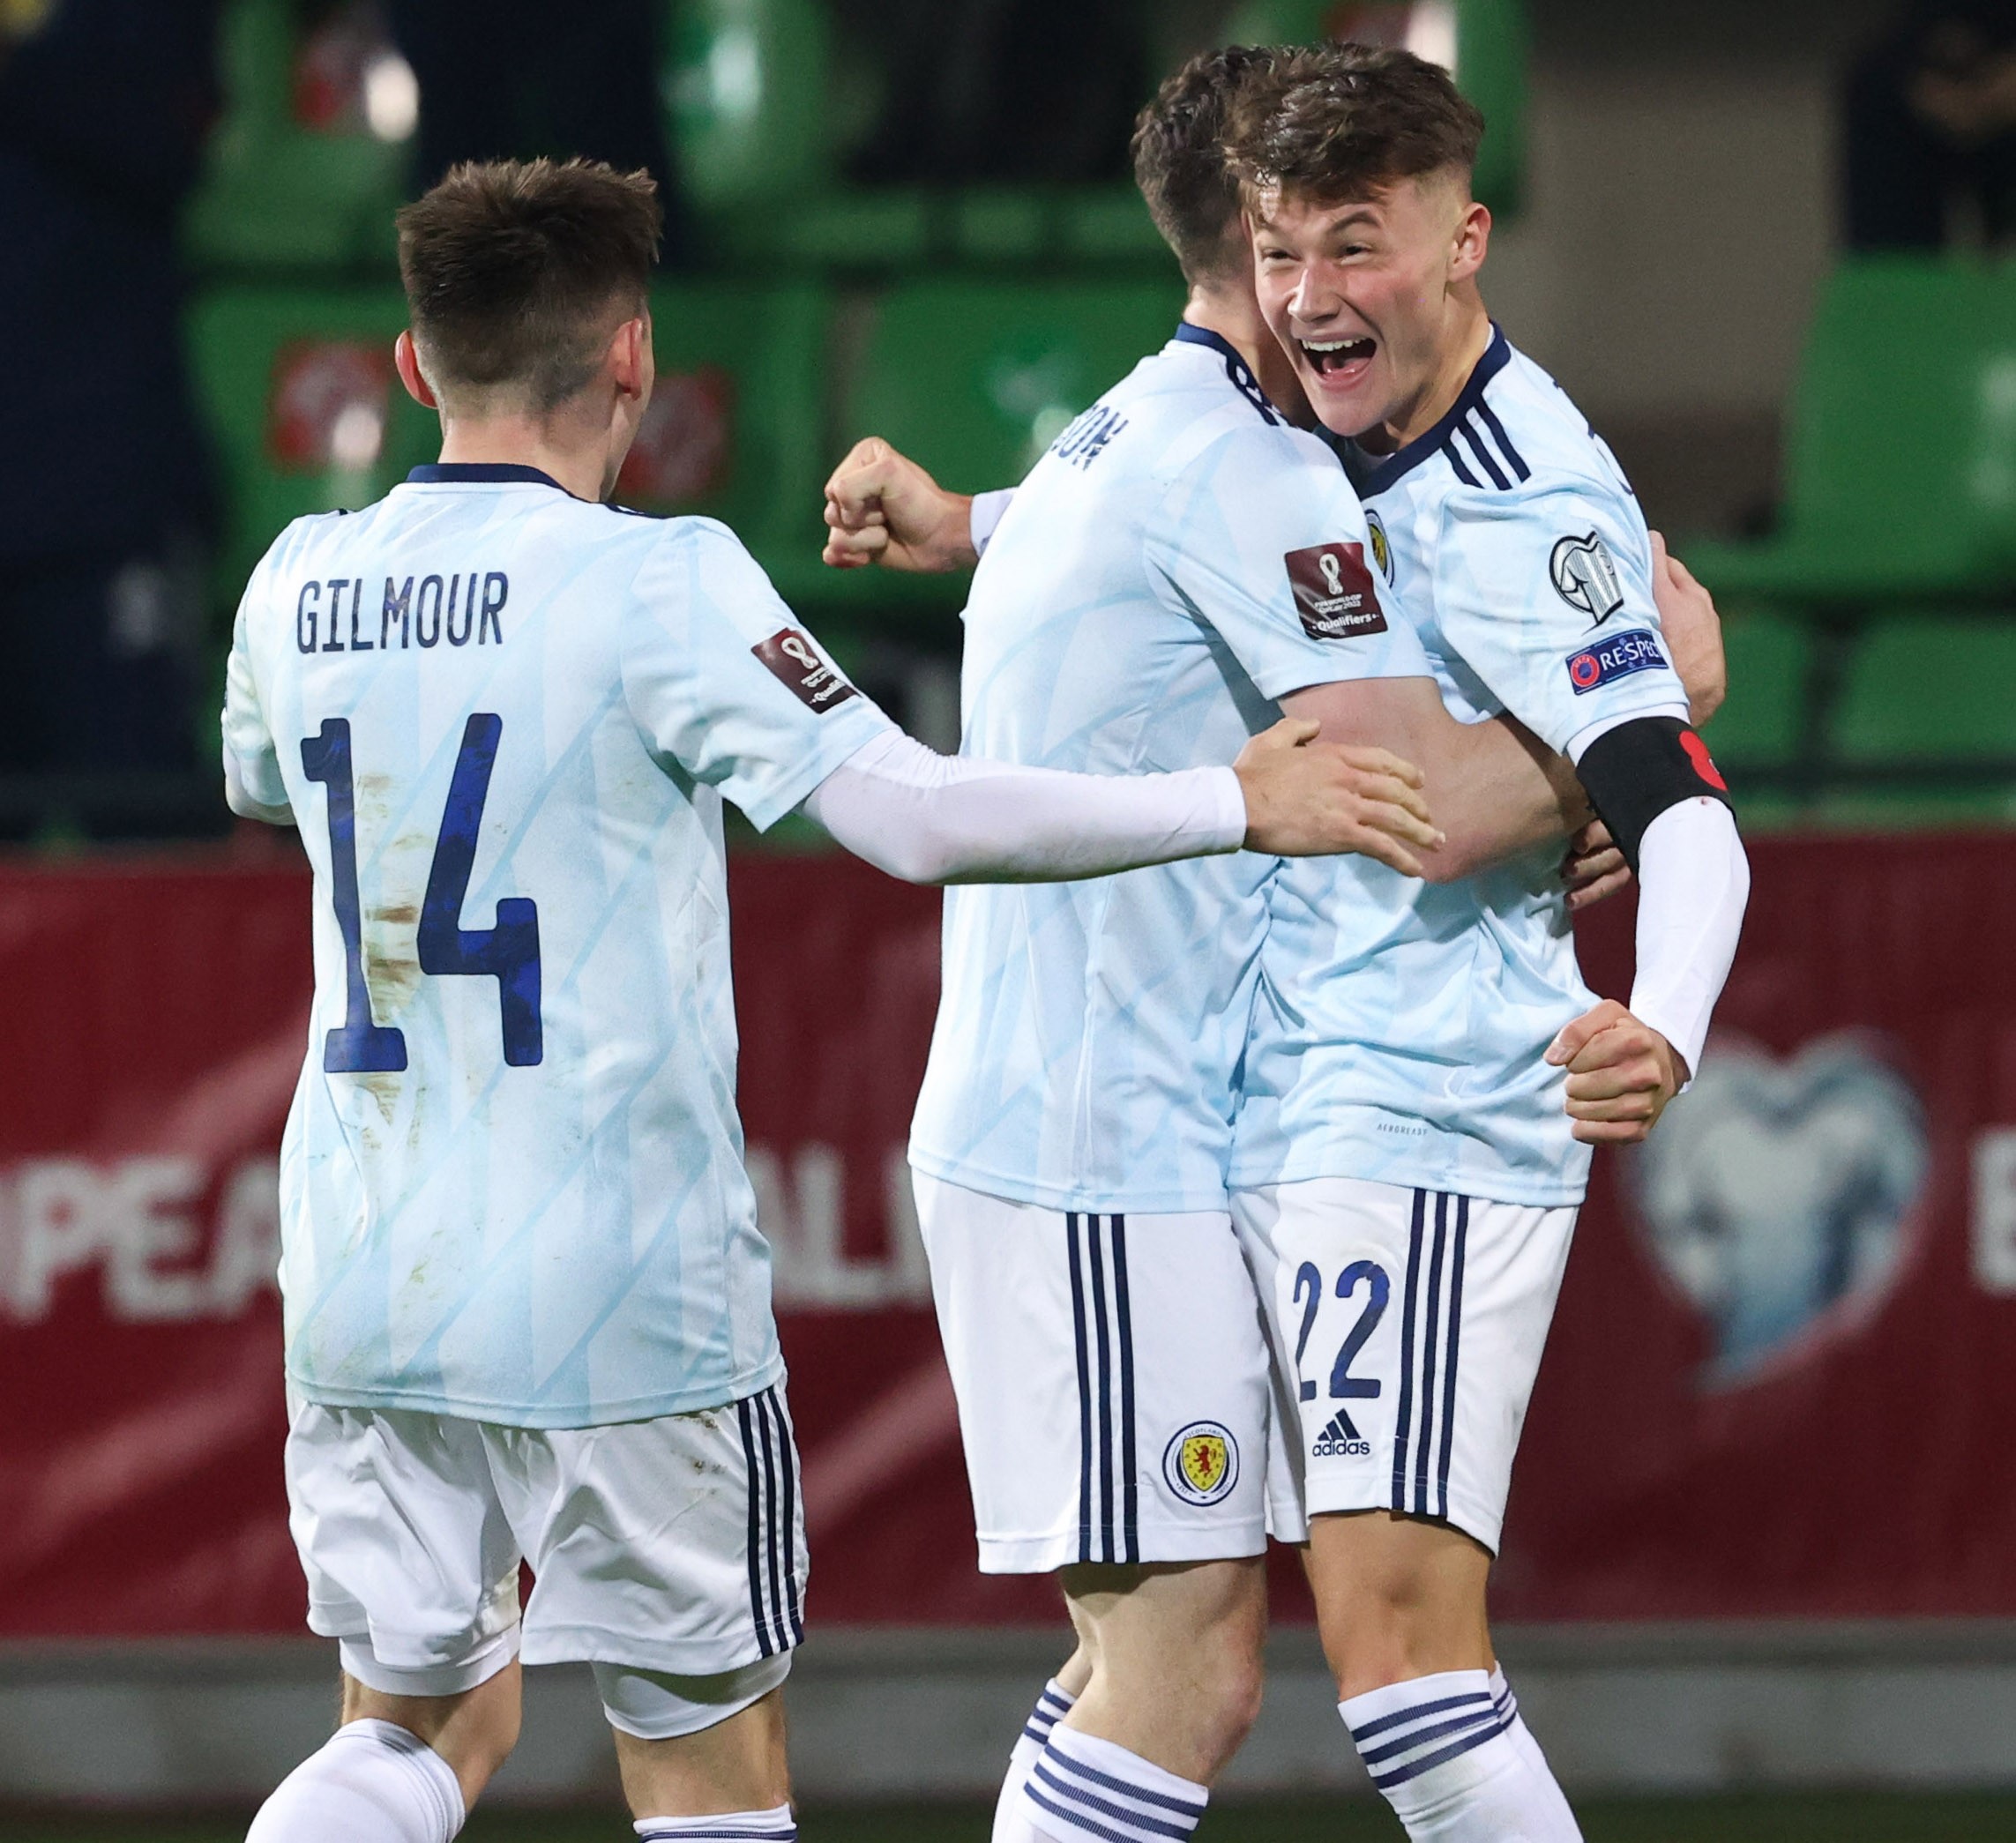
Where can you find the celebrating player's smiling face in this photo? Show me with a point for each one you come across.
(1374, 300)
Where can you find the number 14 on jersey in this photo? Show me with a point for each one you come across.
(507, 952)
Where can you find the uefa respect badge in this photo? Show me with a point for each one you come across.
(1635, 650)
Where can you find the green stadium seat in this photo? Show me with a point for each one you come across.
(308, 414)
(278, 195)
(975, 378)
(749, 101)
(1106, 224)
(305, 408)
(1008, 226)
(735, 427)
(1924, 688)
(1917, 809)
(1759, 725)
(1901, 468)
(1484, 43)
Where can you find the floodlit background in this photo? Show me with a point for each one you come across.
(1760, 1579)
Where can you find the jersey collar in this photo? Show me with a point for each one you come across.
(482, 473)
(1235, 367)
(1373, 474)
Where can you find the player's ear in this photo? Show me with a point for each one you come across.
(1473, 239)
(408, 359)
(630, 357)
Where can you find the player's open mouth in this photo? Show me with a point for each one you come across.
(1340, 360)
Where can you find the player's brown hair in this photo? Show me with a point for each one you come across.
(1179, 160)
(517, 272)
(1331, 123)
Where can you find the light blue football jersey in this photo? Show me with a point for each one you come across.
(1402, 1025)
(505, 719)
(1180, 559)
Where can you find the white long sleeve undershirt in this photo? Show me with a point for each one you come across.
(928, 818)
(1693, 883)
(984, 514)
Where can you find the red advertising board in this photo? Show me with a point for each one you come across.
(1782, 1382)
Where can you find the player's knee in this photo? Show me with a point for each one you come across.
(474, 1730)
(1230, 1672)
(497, 1734)
(1239, 1701)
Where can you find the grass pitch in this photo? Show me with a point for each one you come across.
(1759, 1818)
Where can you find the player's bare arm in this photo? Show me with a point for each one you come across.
(1693, 632)
(1306, 798)
(1495, 789)
(882, 508)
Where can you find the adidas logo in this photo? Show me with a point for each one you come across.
(1341, 1440)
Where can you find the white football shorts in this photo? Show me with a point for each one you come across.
(1408, 1327)
(675, 1545)
(1111, 1372)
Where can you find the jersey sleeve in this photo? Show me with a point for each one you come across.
(1264, 539)
(723, 681)
(1546, 593)
(251, 761)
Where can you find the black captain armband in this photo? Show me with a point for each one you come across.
(1632, 773)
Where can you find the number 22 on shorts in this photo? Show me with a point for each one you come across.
(1344, 1386)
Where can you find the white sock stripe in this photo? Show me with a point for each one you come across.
(1364, 1731)
(1071, 1821)
(1492, 1727)
(1129, 1772)
(1486, 1717)
(1077, 1806)
(775, 1825)
(1074, 1779)
(1052, 1705)
(783, 1835)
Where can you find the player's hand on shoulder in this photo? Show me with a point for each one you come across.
(882, 508)
(1594, 868)
(1621, 1075)
(1311, 799)
(1693, 630)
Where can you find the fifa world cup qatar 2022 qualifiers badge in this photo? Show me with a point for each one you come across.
(1334, 592)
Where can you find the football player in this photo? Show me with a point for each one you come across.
(1074, 1135)
(528, 1308)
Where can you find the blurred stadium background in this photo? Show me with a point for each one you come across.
(1759, 1579)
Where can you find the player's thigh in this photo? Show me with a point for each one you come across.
(673, 1548)
(1170, 1619)
(411, 1563)
(1111, 1373)
(1408, 1327)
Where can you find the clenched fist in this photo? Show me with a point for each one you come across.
(1621, 1075)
